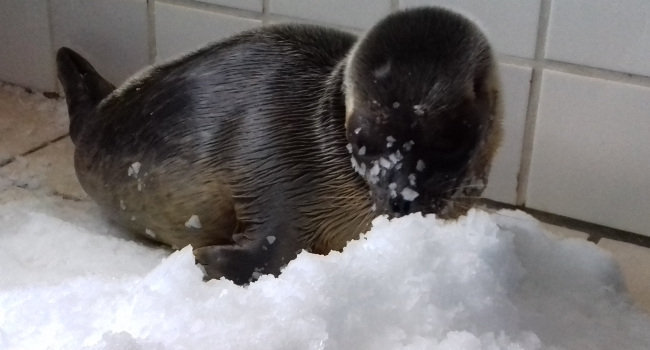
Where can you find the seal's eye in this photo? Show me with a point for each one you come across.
(453, 143)
(448, 142)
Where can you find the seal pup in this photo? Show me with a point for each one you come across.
(289, 137)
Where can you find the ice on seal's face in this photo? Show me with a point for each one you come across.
(413, 160)
(388, 169)
(433, 95)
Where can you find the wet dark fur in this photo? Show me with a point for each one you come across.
(248, 134)
(436, 95)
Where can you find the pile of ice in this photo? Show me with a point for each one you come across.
(487, 281)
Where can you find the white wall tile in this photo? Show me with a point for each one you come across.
(26, 56)
(502, 183)
(354, 14)
(591, 148)
(591, 153)
(180, 29)
(252, 5)
(110, 34)
(511, 25)
(601, 33)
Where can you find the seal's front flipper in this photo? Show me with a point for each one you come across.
(245, 262)
(84, 87)
(234, 262)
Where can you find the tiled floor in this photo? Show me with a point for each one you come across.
(36, 161)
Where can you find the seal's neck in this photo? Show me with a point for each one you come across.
(346, 212)
(333, 100)
(331, 119)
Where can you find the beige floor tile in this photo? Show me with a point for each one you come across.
(50, 170)
(10, 194)
(28, 120)
(635, 263)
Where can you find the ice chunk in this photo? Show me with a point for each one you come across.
(134, 169)
(484, 281)
(395, 157)
(412, 179)
(374, 171)
(408, 145)
(193, 222)
(149, 232)
(420, 165)
(409, 194)
(389, 141)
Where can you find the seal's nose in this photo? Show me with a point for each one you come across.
(399, 206)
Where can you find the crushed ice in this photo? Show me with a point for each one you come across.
(420, 165)
(409, 194)
(134, 169)
(486, 281)
(193, 222)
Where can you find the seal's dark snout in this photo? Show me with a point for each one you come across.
(400, 207)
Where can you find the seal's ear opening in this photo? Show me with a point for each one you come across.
(84, 87)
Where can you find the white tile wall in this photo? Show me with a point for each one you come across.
(111, 34)
(180, 29)
(502, 183)
(511, 25)
(591, 155)
(354, 14)
(601, 33)
(252, 5)
(26, 54)
(591, 128)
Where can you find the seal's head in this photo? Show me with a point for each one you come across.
(422, 112)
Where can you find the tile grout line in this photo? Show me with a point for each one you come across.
(7, 161)
(265, 16)
(50, 29)
(533, 105)
(151, 30)
(577, 69)
(597, 73)
(539, 63)
(220, 9)
(33, 150)
(394, 5)
(265, 11)
(44, 144)
(289, 19)
(595, 232)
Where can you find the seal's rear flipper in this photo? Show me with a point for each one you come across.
(84, 87)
